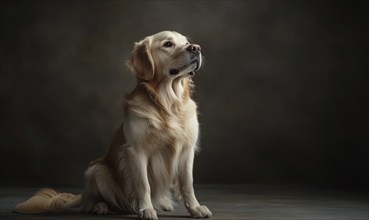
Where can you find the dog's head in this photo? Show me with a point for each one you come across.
(165, 54)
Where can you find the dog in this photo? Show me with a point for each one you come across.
(152, 153)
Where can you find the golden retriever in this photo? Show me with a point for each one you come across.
(152, 153)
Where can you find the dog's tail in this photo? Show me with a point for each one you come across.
(49, 200)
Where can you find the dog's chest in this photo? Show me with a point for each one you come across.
(180, 128)
(150, 129)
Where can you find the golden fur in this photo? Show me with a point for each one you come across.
(152, 152)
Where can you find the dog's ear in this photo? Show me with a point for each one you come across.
(141, 62)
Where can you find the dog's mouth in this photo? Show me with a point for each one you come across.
(175, 71)
(197, 62)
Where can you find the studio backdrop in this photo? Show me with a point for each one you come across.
(283, 95)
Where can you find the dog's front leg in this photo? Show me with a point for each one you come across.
(186, 188)
(139, 163)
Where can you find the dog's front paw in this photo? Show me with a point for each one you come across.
(147, 214)
(167, 207)
(200, 211)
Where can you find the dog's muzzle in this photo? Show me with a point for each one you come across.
(197, 62)
(195, 51)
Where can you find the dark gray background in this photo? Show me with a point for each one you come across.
(283, 97)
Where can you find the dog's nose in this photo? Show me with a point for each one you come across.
(194, 48)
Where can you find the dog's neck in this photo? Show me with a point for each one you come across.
(170, 93)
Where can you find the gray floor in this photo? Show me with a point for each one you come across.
(259, 202)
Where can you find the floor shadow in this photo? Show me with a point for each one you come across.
(174, 216)
(73, 216)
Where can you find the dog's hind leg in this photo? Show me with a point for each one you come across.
(102, 191)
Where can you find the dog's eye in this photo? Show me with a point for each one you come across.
(168, 44)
